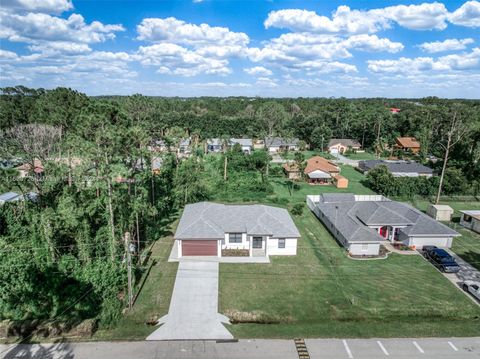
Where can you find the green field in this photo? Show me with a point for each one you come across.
(361, 156)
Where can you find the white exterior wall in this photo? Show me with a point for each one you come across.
(273, 148)
(419, 242)
(244, 245)
(289, 250)
(367, 249)
(476, 225)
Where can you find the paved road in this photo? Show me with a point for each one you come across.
(433, 348)
(193, 312)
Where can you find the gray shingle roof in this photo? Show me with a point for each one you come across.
(206, 220)
(279, 141)
(242, 141)
(352, 218)
(9, 196)
(396, 166)
(344, 141)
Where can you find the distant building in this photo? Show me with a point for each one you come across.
(341, 145)
(9, 197)
(407, 144)
(184, 146)
(471, 220)
(216, 144)
(398, 168)
(26, 169)
(277, 144)
(394, 110)
(318, 170)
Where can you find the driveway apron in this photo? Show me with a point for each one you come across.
(193, 312)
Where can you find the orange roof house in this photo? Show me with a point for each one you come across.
(25, 169)
(407, 144)
(318, 170)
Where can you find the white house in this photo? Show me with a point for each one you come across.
(216, 145)
(213, 229)
(362, 222)
(341, 145)
(471, 220)
(277, 144)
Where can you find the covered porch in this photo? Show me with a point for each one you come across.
(319, 178)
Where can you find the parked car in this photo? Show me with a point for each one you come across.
(441, 259)
(472, 287)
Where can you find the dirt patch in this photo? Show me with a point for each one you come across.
(256, 317)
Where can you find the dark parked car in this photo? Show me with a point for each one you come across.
(441, 259)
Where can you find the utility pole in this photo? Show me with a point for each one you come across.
(129, 270)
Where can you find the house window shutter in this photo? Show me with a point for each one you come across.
(281, 243)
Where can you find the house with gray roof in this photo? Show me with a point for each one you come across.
(362, 222)
(398, 168)
(216, 145)
(277, 144)
(9, 197)
(214, 229)
(341, 145)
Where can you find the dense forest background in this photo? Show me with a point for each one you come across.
(62, 257)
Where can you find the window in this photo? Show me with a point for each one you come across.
(467, 218)
(281, 243)
(235, 238)
(364, 247)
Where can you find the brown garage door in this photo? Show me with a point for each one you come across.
(199, 247)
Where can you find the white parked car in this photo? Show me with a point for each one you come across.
(472, 287)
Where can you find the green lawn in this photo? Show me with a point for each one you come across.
(154, 298)
(309, 154)
(322, 293)
(467, 246)
(362, 156)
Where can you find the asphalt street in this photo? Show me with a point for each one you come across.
(429, 348)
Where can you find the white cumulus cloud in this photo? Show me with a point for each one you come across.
(467, 15)
(446, 45)
(258, 71)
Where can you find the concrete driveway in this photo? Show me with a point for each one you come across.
(193, 312)
(344, 160)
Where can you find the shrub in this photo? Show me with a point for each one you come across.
(297, 209)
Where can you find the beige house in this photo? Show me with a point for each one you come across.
(341, 145)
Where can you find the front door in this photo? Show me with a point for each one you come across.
(257, 242)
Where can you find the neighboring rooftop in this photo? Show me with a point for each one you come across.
(207, 220)
(245, 142)
(9, 196)
(345, 142)
(280, 141)
(408, 142)
(396, 166)
(315, 163)
(352, 217)
(472, 213)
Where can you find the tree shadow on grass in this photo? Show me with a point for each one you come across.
(473, 258)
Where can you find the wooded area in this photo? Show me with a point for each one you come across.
(98, 184)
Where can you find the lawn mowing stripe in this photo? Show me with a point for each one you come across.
(418, 347)
(382, 347)
(452, 346)
(347, 349)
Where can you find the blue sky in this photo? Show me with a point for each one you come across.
(253, 48)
